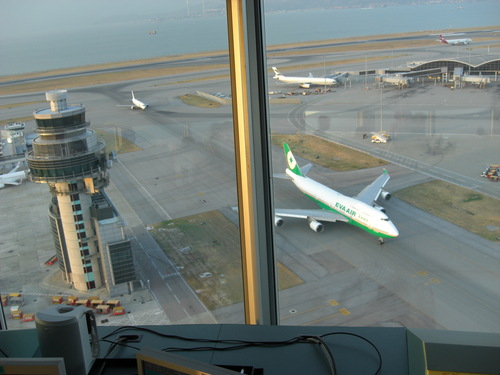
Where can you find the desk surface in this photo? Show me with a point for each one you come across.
(352, 355)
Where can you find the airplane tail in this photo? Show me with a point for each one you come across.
(290, 159)
(15, 168)
(133, 97)
(277, 72)
(443, 40)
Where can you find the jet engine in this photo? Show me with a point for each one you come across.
(380, 208)
(386, 195)
(316, 225)
(305, 85)
(278, 221)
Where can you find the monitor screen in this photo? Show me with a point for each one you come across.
(32, 366)
(155, 362)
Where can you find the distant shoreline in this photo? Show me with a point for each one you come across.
(360, 4)
(92, 70)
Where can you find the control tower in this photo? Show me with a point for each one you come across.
(91, 246)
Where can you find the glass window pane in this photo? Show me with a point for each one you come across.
(154, 225)
(355, 105)
(158, 204)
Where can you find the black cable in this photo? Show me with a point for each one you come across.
(202, 348)
(242, 344)
(213, 341)
(112, 347)
(4, 354)
(114, 344)
(120, 344)
(326, 350)
(364, 339)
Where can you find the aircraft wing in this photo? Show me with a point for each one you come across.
(283, 176)
(14, 169)
(317, 214)
(371, 193)
(10, 182)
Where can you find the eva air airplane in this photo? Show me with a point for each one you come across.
(360, 210)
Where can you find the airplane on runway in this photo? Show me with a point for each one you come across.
(454, 41)
(136, 103)
(12, 178)
(360, 211)
(304, 82)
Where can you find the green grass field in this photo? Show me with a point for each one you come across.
(327, 154)
(466, 208)
(209, 242)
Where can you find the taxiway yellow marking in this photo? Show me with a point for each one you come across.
(331, 302)
(319, 320)
(306, 311)
(434, 280)
(340, 312)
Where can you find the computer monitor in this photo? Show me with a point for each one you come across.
(155, 362)
(32, 366)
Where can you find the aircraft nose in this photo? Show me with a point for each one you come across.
(393, 231)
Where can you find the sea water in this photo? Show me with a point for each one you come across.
(107, 37)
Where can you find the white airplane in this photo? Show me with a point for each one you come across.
(12, 178)
(454, 41)
(304, 82)
(360, 211)
(136, 103)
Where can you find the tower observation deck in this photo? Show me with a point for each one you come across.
(90, 243)
(65, 148)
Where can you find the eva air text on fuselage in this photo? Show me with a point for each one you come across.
(347, 210)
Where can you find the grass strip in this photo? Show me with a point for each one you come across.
(209, 242)
(463, 207)
(326, 153)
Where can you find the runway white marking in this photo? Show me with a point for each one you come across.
(147, 192)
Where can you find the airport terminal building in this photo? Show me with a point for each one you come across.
(457, 72)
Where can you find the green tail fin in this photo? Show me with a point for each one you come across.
(290, 159)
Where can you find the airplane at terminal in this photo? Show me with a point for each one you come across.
(136, 103)
(360, 211)
(12, 178)
(304, 82)
(454, 41)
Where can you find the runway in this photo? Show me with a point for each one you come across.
(435, 275)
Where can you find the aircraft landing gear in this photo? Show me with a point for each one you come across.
(380, 240)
